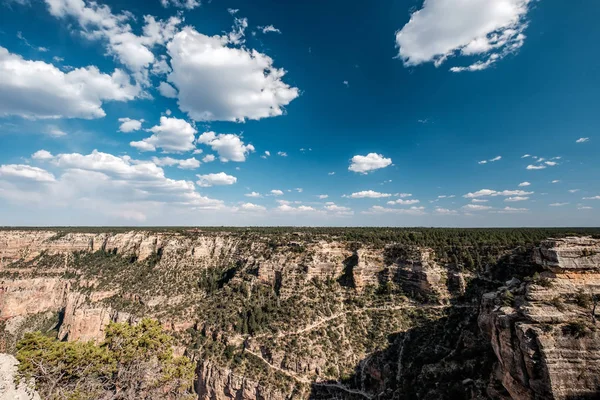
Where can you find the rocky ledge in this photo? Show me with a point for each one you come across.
(544, 330)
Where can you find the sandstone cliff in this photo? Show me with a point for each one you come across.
(544, 330)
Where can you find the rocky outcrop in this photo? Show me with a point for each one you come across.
(83, 320)
(22, 297)
(9, 390)
(544, 331)
(215, 383)
(417, 272)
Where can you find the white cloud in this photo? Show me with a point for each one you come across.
(338, 210)
(27, 172)
(403, 202)
(219, 179)
(209, 158)
(268, 28)
(556, 181)
(173, 135)
(573, 190)
(523, 184)
(42, 155)
(370, 194)
(282, 154)
(592, 198)
(323, 196)
(479, 200)
(445, 211)
(97, 22)
(498, 158)
(102, 184)
(534, 167)
(383, 210)
(130, 125)
(511, 210)
(229, 146)
(516, 198)
(252, 207)
(551, 163)
(582, 140)
(331, 173)
(403, 195)
(38, 90)
(55, 131)
(253, 194)
(558, 204)
(186, 4)
(488, 29)
(490, 192)
(476, 207)
(233, 11)
(277, 192)
(370, 162)
(219, 81)
(167, 90)
(300, 209)
(585, 208)
(190, 163)
(526, 156)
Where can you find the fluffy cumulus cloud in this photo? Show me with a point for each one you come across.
(252, 207)
(253, 194)
(524, 184)
(185, 4)
(173, 135)
(286, 208)
(35, 89)
(190, 163)
(42, 155)
(582, 140)
(490, 192)
(368, 194)
(27, 172)
(486, 29)
(97, 22)
(403, 202)
(370, 162)
(167, 90)
(130, 125)
(277, 192)
(218, 80)
(220, 179)
(476, 207)
(229, 146)
(131, 189)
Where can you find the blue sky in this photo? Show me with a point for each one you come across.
(394, 113)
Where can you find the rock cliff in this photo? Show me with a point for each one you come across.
(543, 331)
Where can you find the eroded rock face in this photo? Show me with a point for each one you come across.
(8, 389)
(214, 383)
(544, 332)
(22, 297)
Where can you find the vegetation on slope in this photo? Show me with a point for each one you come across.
(133, 362)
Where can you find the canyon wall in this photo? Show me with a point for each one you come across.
(544, 330)
(292, 316)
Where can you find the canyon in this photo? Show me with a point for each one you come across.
(296, 314)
